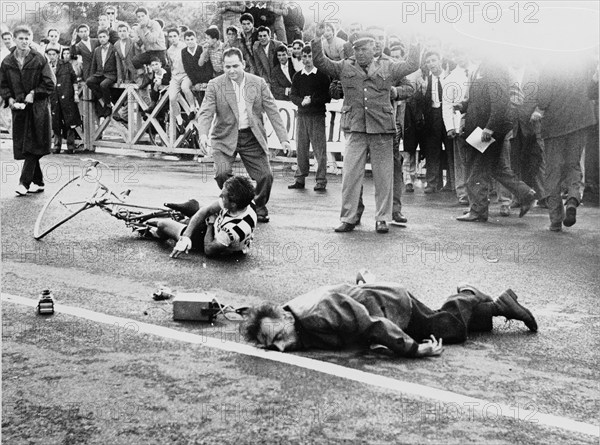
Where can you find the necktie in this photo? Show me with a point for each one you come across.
(439, 90)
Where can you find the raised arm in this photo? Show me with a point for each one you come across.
(332, 68)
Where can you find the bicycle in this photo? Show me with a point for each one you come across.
(84, 192)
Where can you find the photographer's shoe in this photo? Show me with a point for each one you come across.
(508, 306)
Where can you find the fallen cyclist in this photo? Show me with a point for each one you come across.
(224, 227)
(378, 315)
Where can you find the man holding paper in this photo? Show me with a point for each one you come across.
(486, 124)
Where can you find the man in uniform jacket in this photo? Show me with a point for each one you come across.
(368, 120)
(26, 82)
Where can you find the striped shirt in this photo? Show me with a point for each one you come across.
(236, 232)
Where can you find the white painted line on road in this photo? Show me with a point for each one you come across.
(476, 406)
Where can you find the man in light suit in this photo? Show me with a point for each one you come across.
(265, 53)
(237, 100)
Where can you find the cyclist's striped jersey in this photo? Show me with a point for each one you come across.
(236, 232)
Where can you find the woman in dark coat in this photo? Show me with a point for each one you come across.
(65, 113)
(26, 82)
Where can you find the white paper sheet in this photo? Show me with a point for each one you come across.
(474, 140)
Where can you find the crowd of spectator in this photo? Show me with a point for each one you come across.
(436, 102)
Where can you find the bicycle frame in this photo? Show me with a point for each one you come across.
(134, 215)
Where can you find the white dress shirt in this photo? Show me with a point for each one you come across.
(243, 121)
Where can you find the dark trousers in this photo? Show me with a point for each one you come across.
(563, 156)
(32, 172)
(527, 160)
(433, 138)
(311, 130)
(460, 314)
(482, 167)
(100, 86)
(144, 58)
(256, 161)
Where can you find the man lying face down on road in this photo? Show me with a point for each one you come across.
(378, 314)
(222, 228)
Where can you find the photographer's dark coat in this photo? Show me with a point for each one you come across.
(32, 127)
(64, 107)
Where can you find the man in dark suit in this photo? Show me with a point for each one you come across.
(125, 50)
(248, 36)
(265, 54)
(85, 49)
(566, 113)
(104, 73)
(487, 108)
(434, 131)
(283, 73)
(526, 145)
(236, 102)
(104, 23)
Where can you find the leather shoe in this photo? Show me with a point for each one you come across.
(472, 217)
(344, 227)
(381, 227)
(504, 210)
(571, 213)
(409, 188)
(509, 307)
(263, 218)
(398, 218)
(556, 227)
(320, 188)
(527, 203)
(296, 185)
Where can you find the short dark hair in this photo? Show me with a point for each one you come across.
(299, 42)
(160, 22)
(170, 30)
(281, 48)
(83, 25)
(183, 28)
(432, 53)
(52, 29)
(247, 16)
(103, 31)
(263, 29)
(232, 29)
(155, 59)
(141, 9)
(22, 29)
(307, 50)
(240, 191)
(5, 33)
(189, 34)
(251, 326)
(123, 25)
(213, 33)
(233, 52)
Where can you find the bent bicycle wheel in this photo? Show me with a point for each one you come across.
(66, 203)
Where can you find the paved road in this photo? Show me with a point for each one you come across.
(68, 380)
